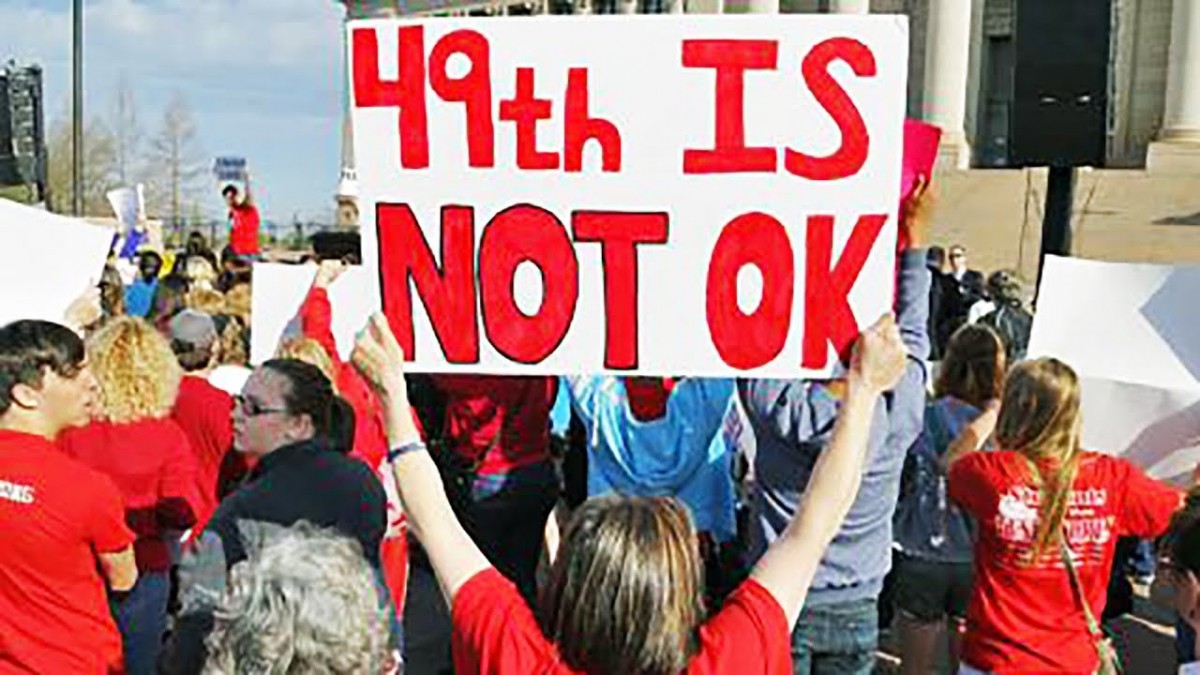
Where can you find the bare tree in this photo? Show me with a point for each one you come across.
(99, 167)
(175, 163)
(127, 133)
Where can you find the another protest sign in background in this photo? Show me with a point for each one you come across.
(50, 261)
(1132, 333)
(279, 291)
(540, 198)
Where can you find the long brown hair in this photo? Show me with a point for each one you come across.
(973, 370)
(1040, 419)
(626, 592)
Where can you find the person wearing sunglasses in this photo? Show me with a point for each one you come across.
(289, 419)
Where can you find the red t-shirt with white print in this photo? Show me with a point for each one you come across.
(1024, 617)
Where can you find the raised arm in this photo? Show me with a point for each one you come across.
(913, 278)
(972, 438)
(787, 568)
(316, 314)
(454, 555)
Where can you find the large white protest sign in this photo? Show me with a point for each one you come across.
(50, 260)
(280, 290)
(538, 197)
(1132, 333)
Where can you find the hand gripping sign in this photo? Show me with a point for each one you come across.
(684, 195)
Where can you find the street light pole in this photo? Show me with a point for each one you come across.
(77, 110)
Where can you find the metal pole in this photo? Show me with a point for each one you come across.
(77, 110)
(1056, 222)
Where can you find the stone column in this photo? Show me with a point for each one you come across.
(850, 6)
(947, 63)
(1178, 145)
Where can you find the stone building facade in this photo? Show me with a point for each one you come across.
(961, 67)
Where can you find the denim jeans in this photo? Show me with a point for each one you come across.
(1185, 642)
(836, 639)
(142, 620)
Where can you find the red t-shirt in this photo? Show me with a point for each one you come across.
(55, 516)
(152, 464)
(1024, 617)
(204, 412)
(243, 236)
(370, 431)
(503, 420)
(495, 633)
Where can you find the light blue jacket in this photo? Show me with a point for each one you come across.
(685, 454)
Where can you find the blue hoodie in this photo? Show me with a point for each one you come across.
(686, 454)
(793, 421)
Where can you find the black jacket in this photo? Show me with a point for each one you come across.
(307, 481)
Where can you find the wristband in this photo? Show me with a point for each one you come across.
(402, 450)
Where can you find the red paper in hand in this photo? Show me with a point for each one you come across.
(921, 142)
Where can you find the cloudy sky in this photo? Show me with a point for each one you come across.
(263, 79)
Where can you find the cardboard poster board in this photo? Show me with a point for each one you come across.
(1132, 333)
(539, 198)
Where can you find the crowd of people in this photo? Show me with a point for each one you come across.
(167, 506)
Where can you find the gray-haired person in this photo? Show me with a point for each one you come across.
(307, 602)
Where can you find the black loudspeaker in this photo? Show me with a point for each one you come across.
(338, 245)
(22, 134)
(1061, 83)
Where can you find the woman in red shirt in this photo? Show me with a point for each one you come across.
(624, 594)
(1026, 615)
(135, 442)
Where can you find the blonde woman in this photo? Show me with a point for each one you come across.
(133, 440)
(1026, 613)
(207, 300)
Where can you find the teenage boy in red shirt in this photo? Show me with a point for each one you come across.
(63, 523)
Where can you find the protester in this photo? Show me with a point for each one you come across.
(234, 270)
(112, 292)
(319, 347)
(203, 411)
(659, 437)
(838, 630)
(1183, 555)
(197, 246)
(139, 296)
(970, 281)
(1010, 319)
(496, 464)
(170, 297)
(135, 442)
(1049, 515)
(200, 273)
(206, 300)
(62, 525)
(305, 603)
(625, 591)
(945, 302)
(933, 566)
(289, 419)
(243, 219)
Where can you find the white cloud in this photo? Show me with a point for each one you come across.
(264, 77)
(167, 34)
